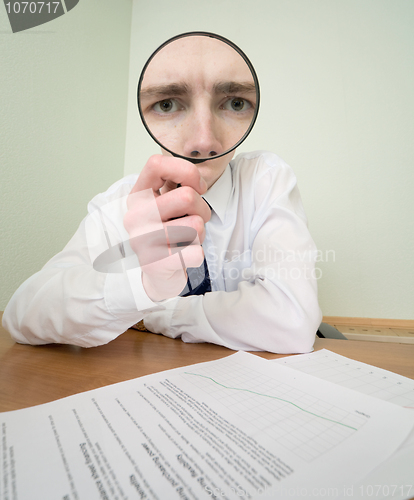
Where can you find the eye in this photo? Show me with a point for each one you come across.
(166, 106)
(237, 104)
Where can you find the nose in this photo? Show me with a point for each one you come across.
(203, 135)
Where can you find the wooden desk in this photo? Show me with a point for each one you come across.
(32, 375)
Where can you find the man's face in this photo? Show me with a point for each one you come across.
(198, 99)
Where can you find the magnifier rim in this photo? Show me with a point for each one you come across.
(245, 58)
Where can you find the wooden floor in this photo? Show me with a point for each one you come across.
(370, 332)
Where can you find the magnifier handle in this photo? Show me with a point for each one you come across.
(175, 218)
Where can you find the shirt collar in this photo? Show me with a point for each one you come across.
(218, 195)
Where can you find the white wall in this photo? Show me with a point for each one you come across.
(337, 104)
(337, 80)
(63, 99)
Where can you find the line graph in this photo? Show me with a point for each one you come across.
(273, 397)
(305, 425)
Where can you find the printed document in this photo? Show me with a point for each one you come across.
(238, 427)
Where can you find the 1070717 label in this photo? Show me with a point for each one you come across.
(25, 15)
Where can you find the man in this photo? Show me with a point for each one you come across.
(198, 99)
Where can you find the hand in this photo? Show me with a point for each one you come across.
(155, 203)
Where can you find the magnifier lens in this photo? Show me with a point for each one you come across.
(198, 96)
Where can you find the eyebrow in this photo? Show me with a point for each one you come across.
(234, 88)
(171, 89)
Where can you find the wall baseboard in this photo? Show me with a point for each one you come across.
(385, 323)
(380, 338)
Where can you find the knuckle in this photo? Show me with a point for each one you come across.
(198, 224)
(154, 163)
(187, 195)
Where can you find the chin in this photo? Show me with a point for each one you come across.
(209, 174)
(212, 170)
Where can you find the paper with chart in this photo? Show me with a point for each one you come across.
(237, 427)
(395, 477)
(361, 377)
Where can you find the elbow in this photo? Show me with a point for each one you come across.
(303, 335)
(305, 324)
(19, 333)
(294, 331)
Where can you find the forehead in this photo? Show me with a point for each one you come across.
(199, 61)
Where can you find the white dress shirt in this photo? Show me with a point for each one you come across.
(260, 256)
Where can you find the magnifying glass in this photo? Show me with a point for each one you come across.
(198, 96)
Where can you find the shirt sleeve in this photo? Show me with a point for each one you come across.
(271, 300)
(70, 302)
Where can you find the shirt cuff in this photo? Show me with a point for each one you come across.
(125, 294)
(161, 321)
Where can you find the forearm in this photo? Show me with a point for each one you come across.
(76, 306)
(70, 302)
(257, 316)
